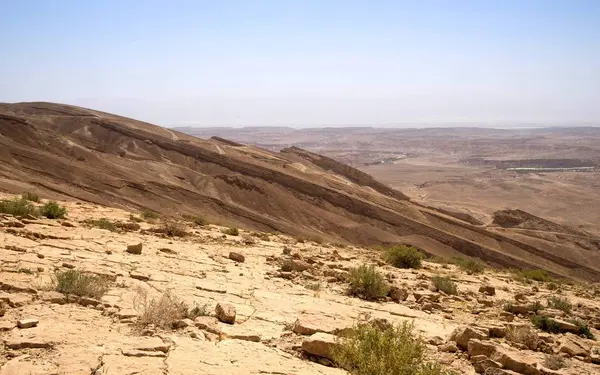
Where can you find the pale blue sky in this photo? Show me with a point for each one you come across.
(308, 62)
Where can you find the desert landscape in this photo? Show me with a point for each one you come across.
(293, 255)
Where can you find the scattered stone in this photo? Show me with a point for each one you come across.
(28, 343)
(477, 347)
(573, 346)
(299, 265)
(68, 265)
(507, 316)
(53, 297)
(319, 344)
(487, 289)
(209, 287)
(27, 323)
(142, 353)
(135, 249)
(462, 335)
(225, 313)
(6, 325)
(167, 250)
(86, 301)
(184, 323)
(398, 294)
(514, 361)
(15, 248)
(237, 257)
(449, 347)
(139, 276)
(208, 324)
(67, 224)
(40, 256)
(481, 365)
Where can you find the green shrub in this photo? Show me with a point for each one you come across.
(18, 207)
(552, 286)
(80, 284)
(149, 215)
(102, 224)
(403, 256)
(560, 303)
(232, 231)
(535, 306)
(53, 210)
(470, 266)
(445, 284)
(371, 350)
(367, 283)
(200, 221)
(584, 329)
(198, 311)
(29, 196)
(528, 275)
(545, 324)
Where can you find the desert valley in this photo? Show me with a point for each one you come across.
(128, 248)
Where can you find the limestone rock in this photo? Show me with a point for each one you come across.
(237, 257)
(574, 346)
(28, 343)
(208, 324)
(319, 344)
(477, 347)
(462, 335)
(225, 312)
(135, 249)
(482, 365)
(139, 276)
(515, 361)
(53, 297)
(27, 323)
(449, 347)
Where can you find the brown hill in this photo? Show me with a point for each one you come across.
(64, 151)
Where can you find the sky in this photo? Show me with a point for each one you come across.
(308, 62)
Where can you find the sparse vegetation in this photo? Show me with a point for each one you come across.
(523, 335)
(371, 350)
(367, 283)
(554, 362)
(535, 306)
(18, 207)
(53, 210)
(200, 221)
(552, 286)
(584, 329)
(445, 284)
(403, 256)
(162, 312)
(135, 219)
(261, 235)
(470, 266)
(150, 215)
(102, 224)
(527, 276)
(197, 311)
(33, 197)
(560, 303)
(316, 286)
(81, 284)
(545, 324)
(231, 231)
(173, 229)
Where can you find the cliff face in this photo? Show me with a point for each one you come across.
(63, 151)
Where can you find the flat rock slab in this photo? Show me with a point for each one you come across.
(27, 323)
(310, 324)
(319, 344)
(28, 343)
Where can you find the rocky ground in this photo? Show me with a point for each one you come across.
(284, 320)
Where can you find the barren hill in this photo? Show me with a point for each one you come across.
(69, 152)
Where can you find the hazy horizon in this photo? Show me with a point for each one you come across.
(310, 63)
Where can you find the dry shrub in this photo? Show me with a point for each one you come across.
(560, 303)
(81, 284)
(172, 229)
(232, 231)
(445, 284)
(162, 312)
(102, 224)
(554, 362)
(369, 349)
(523, 335)
(33, 197)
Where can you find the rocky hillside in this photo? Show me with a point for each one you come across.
(68, 152)
(103, 291)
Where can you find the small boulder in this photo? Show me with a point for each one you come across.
(135, 249)
(449, 347)
(27, 323)
(208, 324)
(225, 312)
(574, 346)
(398, 294)
(319, 344)
(477, 347)
(487, 289)
(462, 335)
(237, 257)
